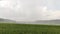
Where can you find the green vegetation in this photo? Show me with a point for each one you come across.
(28, 29)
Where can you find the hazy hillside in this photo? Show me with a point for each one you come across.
(49, 22)
(6, 20)
(57, 21)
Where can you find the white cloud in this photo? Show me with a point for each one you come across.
(25, 10)
(45, 14)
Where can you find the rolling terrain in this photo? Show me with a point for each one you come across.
(28, 29)
(36, 27)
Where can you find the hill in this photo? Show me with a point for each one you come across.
(2, 20)
(56, 21)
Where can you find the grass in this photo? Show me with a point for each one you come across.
(28, 29)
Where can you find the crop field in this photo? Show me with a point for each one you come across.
(6, 28)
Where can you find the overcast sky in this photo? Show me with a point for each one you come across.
(30, 9)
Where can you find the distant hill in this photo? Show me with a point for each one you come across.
(6, 20)
(57, 21)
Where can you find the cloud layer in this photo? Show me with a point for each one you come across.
(28, 10)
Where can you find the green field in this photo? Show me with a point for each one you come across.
(28, 29)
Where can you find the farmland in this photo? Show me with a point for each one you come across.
(8, 28)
